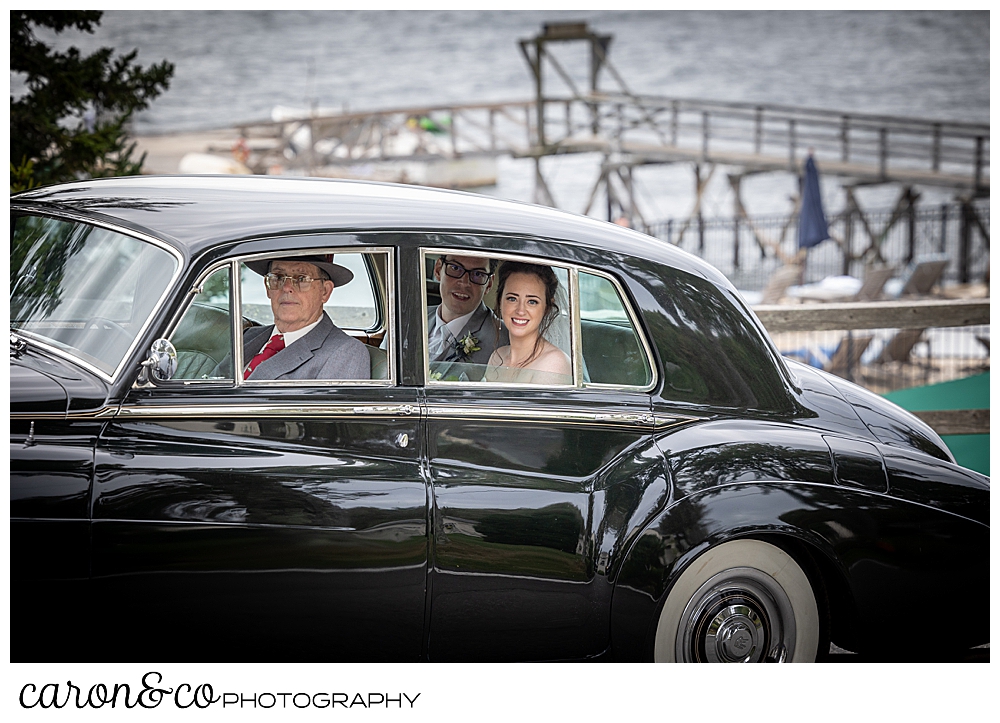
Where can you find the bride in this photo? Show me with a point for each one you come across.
(526, 303)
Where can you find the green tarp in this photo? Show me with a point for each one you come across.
(970, 450)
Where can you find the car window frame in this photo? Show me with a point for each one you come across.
(385, 318)
(572, 269)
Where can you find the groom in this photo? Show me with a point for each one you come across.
(461, 328)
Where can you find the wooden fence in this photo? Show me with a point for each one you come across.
(919, 314)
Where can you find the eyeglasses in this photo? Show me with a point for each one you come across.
(456, 271)
(299, 283)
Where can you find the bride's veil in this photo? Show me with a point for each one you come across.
(558, 332)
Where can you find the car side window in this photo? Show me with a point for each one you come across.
(203, 338)
(353, 306)
(276, 292)
(612, 350)
(337, 318)
(710, 351)
(496, 319)
(510, 299)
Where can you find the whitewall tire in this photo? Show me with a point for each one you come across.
(741, 601)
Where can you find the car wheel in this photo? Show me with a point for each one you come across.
(744, 601)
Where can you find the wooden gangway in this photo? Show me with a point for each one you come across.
(625, 129)
(640, 130)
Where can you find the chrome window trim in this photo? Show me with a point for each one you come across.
(390, 316)
(574, 321)
(378, 286)
(282, 411)
(311, 383)
(236, 301)
(644, 420)
(154, 312)
(573, 270)
(236, 318)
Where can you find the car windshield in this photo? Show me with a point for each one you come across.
(85, 290)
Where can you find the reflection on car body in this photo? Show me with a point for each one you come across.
(683, 494)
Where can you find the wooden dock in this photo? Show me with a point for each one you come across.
(753, 139)
(456, 145)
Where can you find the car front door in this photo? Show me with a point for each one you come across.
(278, 520)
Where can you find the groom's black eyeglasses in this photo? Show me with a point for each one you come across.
(456, 271)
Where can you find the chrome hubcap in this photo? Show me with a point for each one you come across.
(735, 634)
(738, 616)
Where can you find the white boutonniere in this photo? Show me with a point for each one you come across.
(467, 345)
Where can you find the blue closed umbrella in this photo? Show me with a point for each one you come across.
(812, 222)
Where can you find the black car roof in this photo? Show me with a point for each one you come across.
(196, 212)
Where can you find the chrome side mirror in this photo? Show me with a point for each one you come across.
(161, 363)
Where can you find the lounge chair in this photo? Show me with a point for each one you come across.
(778, 283)
(919, 277)
(900, 346)
(846, 358)
(874, 284)
(894, 366)
(844, 288)
(842, 360)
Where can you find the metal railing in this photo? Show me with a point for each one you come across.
(734, 245)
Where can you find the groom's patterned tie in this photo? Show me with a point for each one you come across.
(439, 343)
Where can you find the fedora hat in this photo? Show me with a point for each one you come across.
(339, 275)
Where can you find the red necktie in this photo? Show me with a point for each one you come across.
(276, 344)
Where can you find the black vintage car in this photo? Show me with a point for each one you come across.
(683, 494)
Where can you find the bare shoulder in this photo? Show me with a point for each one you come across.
(553, 359)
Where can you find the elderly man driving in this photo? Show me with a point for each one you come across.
(303, 343)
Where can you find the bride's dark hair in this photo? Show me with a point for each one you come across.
(548, 278)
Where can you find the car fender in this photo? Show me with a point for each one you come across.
(784, 514)
(865, 546)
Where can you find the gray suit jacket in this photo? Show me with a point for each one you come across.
(484, 326)
(326, 352)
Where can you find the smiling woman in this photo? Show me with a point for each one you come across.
(526, 302)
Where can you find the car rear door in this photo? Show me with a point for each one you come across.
(531, 485)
